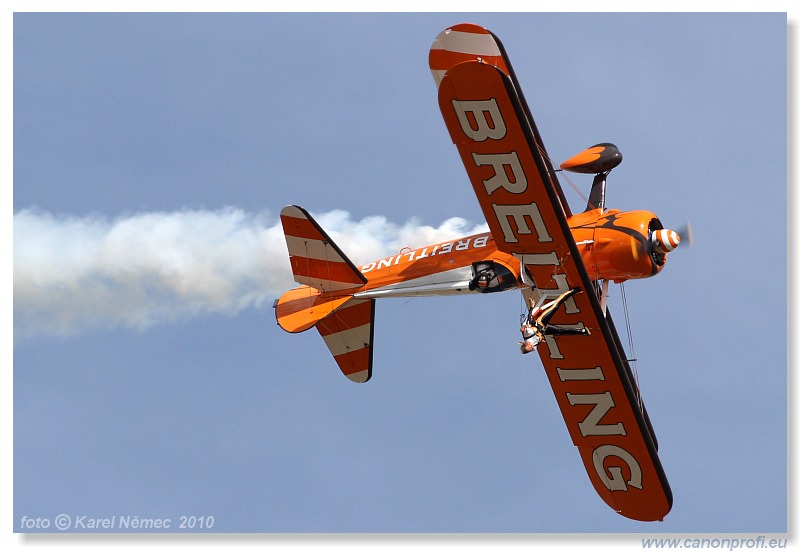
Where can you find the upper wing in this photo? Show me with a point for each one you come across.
(589, 375)
(464, 43)
(468, 42)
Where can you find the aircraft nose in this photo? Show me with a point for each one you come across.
(666, 240)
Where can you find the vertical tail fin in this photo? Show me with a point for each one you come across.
(316, 260)
(325, 298)
(348, 334)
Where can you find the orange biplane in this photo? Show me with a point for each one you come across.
(535, 244)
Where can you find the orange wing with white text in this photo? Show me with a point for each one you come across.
(491, 125)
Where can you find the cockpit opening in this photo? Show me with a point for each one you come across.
(489, 276)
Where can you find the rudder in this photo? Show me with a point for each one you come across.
(316, 260)
(348, 334)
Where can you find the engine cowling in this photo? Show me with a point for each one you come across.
(618, 245)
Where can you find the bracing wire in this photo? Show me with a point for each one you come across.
(572, 184)
(575, 188)
(632, 359)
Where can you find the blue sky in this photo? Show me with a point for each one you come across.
(207, 408)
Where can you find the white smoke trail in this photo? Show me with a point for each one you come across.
(77, 273)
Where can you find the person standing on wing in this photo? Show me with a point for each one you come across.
(537, 323)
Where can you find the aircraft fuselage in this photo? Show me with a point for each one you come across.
(612, 244)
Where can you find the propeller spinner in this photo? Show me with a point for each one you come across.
(663, 241)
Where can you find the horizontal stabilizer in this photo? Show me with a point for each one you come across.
(301, 308)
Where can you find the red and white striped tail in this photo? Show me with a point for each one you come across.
(325, 298)
(348, 335)
(316, 260)
(463, 43)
